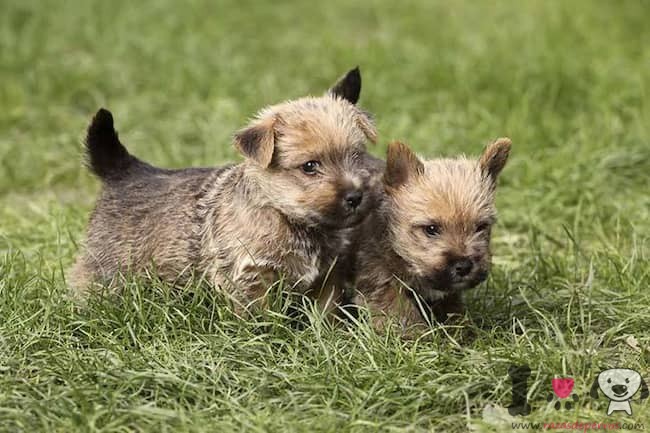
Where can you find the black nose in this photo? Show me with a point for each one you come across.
(619, 389)
(462, 267)
(353, 198)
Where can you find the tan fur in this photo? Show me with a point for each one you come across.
(244, 226)
(400, 267)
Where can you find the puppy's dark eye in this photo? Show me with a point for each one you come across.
(310, 167)
(609, 380)
(627, 380)
(481, 227)
(432, 230)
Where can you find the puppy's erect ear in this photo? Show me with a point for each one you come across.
(401, 164)
(494, 157)
(257, 140)
(349, 86)
(593, 392)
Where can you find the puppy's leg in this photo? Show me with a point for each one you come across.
(451, 311)
(393, 306)
(329, 298)
(450, 308)
(248, 289)
(80, 278)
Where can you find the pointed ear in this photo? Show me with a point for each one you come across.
(349, 86)
(593, 392)
(257, 140)
(495, 156)
(401, 164)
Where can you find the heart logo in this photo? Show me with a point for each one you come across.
(562, 387)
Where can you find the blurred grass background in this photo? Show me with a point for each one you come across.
(567, 81)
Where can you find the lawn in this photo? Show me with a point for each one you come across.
(569, 294)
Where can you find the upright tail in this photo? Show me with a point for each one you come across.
(106, 156)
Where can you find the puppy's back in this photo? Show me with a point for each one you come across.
(145, 217)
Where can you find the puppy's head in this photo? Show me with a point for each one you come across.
(309, 156)
(620, 384)
(441, 215)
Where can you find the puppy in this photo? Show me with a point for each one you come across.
(430, 238)
(287, 211)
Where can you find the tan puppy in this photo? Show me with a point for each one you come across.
(287, 211)
(430, 238)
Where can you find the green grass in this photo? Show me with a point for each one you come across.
(569, 82)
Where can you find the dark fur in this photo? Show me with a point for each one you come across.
(106, 156)
(350, 86)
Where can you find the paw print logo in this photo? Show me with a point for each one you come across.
(562, 388)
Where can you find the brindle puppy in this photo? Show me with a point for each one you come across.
(289, 210)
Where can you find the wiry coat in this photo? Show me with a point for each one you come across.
(241, 226)
(430, 236)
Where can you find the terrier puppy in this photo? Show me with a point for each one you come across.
(430, 238)
(288, 211)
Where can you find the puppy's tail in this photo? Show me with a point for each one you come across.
(106, 157)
